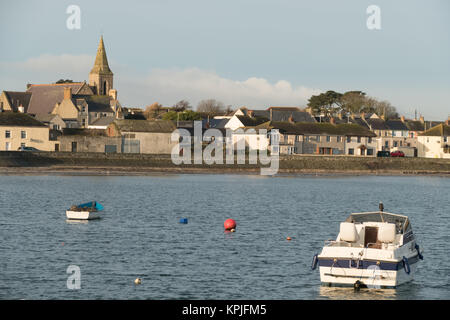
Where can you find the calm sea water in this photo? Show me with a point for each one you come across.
(140, 235)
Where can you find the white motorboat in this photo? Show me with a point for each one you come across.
(372, 249)
(85, 211)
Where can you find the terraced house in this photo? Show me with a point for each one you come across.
(319, 138)
(21, 130)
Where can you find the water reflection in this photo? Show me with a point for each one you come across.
(344, 293)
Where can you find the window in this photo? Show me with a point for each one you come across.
(56, 127)
(83, 109)
(395, 144)
(306, 138)
(370, 152)
(328, 138)
(369, 140)
(318, 138)
(445, 139)
(83, 122)
(338, 138)
(7, 134)
(23, 134)
(8, 146)
(359, 139)
(351, 151)
(22, 144)
(349, 139)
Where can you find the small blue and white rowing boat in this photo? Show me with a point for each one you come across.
(86, 211)
(372, 249)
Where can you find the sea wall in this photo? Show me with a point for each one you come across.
(163, 163)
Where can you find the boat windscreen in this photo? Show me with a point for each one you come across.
(400, 221)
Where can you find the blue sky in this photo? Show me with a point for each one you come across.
(254, 53)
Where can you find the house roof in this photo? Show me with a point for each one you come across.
(251, 121)
(96, 103)
(377, 124)
(303, 128)
(438, 131)
(215, 123)
(45, 117)
(396, 125)
(415, 125)
(45, 96)
(103, 121)
(15, 119)
(127, 125)
(17, 99)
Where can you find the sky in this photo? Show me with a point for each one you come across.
(254, 53)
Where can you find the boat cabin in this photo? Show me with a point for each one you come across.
(376, 230)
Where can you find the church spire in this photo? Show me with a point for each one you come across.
(101, 62)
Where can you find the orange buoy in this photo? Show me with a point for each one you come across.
(289, 238)
(229, 224)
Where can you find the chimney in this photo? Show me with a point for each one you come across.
(383, 117)
(270, 114)
(29, 85)
(447, 122)
(67, 93)
(340, 116)
(250, 113)
(363, 115)
(421, 119)
(402, 118)
(113, 94)
(332, 121)
(353, 116)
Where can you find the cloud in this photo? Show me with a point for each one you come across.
(166, 86)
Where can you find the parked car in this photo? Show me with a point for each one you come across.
(22, 148)
(383, 154)
(397, 153)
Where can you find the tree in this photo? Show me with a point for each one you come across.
(384, 108)
(210, 107)
(181, 105)
(187, 115)
(353, 101)
(152, 111)
(328, 103)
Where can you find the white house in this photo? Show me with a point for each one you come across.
(435, 142)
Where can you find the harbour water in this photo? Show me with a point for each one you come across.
(140, 235)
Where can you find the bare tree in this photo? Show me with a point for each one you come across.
(210, 107)
(152, 111)
(181, 106)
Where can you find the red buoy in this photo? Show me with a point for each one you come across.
(229, 224)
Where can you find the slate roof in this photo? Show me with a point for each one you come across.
(303, 128)
(45, 96)
(15, 119)
(96, 103)
(127, 125)
(103, 121)
(415, 125)
(215, 123)
(377, 124)
(397, 125)
(251, 121)
(45, 117)
(16, 99)
(438, 131)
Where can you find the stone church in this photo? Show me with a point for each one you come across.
(78, 104)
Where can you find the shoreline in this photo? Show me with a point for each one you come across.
(149, 171)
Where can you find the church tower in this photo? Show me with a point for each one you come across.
(101, 76)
